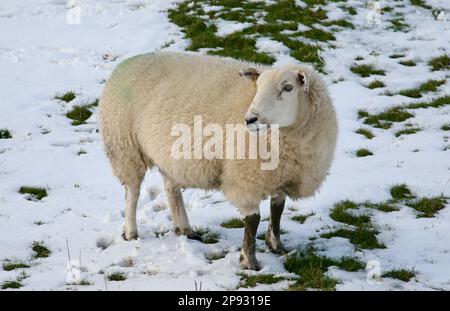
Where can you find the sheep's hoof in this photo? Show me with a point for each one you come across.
(249, 263)
(130, 236)
(188, 233)
(274, 243)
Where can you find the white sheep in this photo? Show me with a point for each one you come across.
(149, 94)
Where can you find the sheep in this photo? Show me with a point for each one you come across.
(148, 94)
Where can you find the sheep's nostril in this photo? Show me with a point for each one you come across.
(251, 120)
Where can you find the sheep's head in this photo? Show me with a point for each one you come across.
(280, 93)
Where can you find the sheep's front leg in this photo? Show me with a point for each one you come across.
(248, 252)
(177, 210)
(273, 240)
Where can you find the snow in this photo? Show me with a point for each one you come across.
(41, 55)
(224, 27)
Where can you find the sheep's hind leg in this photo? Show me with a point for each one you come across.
(131, 199)
(248, 253)
(273, 240)
(179, 216)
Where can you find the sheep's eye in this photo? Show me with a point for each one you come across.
(288, 88)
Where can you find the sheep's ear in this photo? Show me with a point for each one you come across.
(303, 80)
(250, 73)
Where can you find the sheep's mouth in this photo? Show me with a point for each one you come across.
(258, 127)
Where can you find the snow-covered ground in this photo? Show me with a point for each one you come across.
(41, 54)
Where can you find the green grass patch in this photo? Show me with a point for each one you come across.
(421, 3)
(41, 251)
(66, 97)
(397, 55)
(400, 274)
(207, 236)
(364, 237)
(5, 134)
(429, 86)
(375, 84)
(398, 24)
(366, 70)
(363, 152)
(385, 207)
(428, 207)
(79, 114)
(37, 193)
(440, 63)
(366, 132)
(311, 269)
(401, 192)
(233, 223)
(350, 264)
(384, 119)
(117, 276)
(301, 218)
(445, 127)
(435, 103)
(199, 27)
(407, 131)
(340, 213)
(11, 284)
(9, 265)
(253, 280)
(408, 63)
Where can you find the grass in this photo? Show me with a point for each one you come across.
(311, 269)
(429, 86)
(428, 207)
(41, 251)
(79, 114)
(301, 218)
(384, 119)
(66, 97)
(401, 192)
(366, 70)
(435, 103)
(398, 24)
(350, 264)
(82, 282)
(37, 193)
(375, 84)
(117, 276)
(400, 274)
(397, 55)
(5, 134)
(364, 237)
(11, 284)
(366, 132)
(385, 207)
(253, 280)
(233, 223)
(340, 213)
(363, 152)
(9, 266)
(445, 127)
(199, 27)
(207, 236)
(440, 63)
(408, 63)
(407, 131)
(421, 3)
